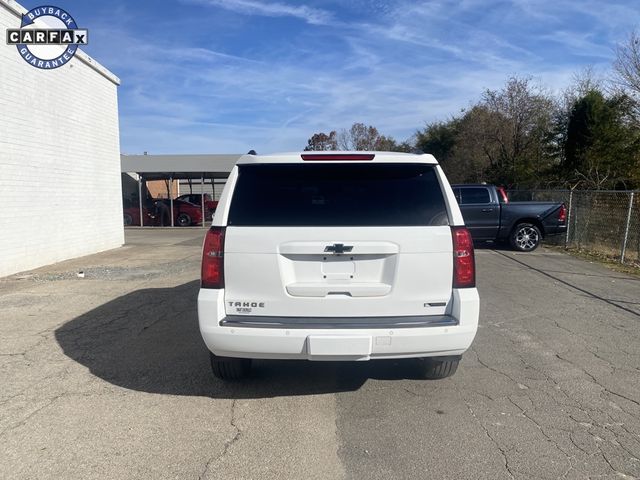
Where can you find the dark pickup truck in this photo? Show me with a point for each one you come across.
(489, 215)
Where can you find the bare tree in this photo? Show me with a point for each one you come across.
(322, 141)
(627, 63)
(359, 137)
(367, 137)
(582, 82)
(519, 117)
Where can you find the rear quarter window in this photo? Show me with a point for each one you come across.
(341, 194)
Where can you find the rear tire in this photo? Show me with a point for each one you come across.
(435, 368)
(184, 220)
(128, 219)
(525, 237)
(229, 368)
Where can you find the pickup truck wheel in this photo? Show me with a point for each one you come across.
(128, 219)
(184, 220)
(525, 237)
(435, 368)
(228, 368)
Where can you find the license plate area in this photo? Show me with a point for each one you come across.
(339, 345)
(338, 268)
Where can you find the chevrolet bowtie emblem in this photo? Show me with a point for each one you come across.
(338, 248)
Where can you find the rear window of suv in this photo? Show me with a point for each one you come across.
(380, 194)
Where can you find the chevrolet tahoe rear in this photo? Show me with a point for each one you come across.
(337, 256)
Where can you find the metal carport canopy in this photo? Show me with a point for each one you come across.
(178, 166)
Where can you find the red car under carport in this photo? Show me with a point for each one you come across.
(185, 214)
(210, 205)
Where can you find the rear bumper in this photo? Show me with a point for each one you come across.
(289, 338)
(550, 230)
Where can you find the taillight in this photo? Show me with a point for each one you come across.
(340, 157)
(562, 213)
(213, 259)
(503, 195)
(464, 264)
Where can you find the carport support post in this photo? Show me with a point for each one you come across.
(171, 197)
(626, 230)
(202, 199)
(140, 198)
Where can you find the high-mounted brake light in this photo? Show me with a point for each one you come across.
(213, 259)
(464, 264)
(337, 157)
(562, 213)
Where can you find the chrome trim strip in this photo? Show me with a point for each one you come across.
(252, 321)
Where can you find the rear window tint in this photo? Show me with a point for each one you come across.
(337, 195)
(471, 195)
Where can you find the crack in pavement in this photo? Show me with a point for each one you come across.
(502, 451)
(615, 470)
(36, 411)
(552, 380)
(489, 367)
(228, 444)
(595, 381)
(541, 429)
(573, 403)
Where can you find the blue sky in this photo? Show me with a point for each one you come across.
(222, 76)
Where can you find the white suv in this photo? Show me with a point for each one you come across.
(337, 256)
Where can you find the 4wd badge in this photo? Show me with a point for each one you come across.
(245, 307)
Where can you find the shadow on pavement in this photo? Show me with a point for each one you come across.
(149, 341)
(491, 245)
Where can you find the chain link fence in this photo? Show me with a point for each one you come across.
(604, 222)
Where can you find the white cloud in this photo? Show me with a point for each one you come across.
(410, 64)
(310, 15)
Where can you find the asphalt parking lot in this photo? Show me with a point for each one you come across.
(106, 377)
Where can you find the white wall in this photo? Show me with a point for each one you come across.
(60, 185)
